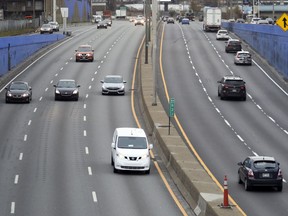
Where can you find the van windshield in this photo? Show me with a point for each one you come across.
(132, 142)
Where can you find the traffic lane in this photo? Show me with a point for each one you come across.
(135, 189)
(260, 134)
(200, 54)
(273, 90)
(105, 113)
(53, 178)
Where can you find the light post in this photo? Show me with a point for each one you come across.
(258, 8)
(146, 32)
(154, 33)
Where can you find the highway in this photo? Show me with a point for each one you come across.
(226, 132)
(55, 155)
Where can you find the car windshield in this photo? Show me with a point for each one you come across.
(222, 32)
(265, 164)
(84, 49)
(66, 84)
(18, 86)
(46, 25)
(52, 23)
(113, 80)
(132, 142)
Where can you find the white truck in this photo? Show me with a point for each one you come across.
(121, 13)
(211, 18)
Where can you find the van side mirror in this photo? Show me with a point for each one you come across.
(240, 164)
(113, 145)
(150, 146)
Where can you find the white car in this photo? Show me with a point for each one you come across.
(130, 150)
(222, 34)
(55, 26)
(113, 84)
(254, 20)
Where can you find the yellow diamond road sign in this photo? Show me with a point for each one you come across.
(282, 22)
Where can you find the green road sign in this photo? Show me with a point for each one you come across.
(171, 107)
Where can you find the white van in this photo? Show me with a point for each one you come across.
(130, 150)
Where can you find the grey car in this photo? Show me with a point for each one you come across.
(55, 26)
(113, 84)
(18, 91)
(243, 57)
(46, 28)
(66, 89)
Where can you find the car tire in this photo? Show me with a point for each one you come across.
(246, 186)
(244, 98)
(112, 162)
(6, 100)
(147, 172)
(115, 170)
(239, 179)
(280, 188)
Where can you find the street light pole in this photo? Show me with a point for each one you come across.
(154, 33)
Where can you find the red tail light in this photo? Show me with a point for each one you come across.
(242, 87)
(280, 173)
(250, 173)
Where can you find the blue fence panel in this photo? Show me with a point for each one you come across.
(14, 50)
(269, 41)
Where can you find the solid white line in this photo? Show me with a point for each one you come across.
(270, 78)
(86, 150)
(16, 179)
(85, 133)
(94, 196)
(12, 208)
(29, 123)
(25, 137)
(89, 171)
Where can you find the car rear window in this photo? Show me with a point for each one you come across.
(265, 164)
(234, 82)
(242, 55)
(84, 49)
(132, 142)
(235, 42)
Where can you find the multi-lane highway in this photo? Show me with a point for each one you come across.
(224, 132)
(55, 155)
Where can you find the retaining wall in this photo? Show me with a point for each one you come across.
(14, 50)
(270, 41)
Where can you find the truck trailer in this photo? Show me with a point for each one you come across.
(211, 18)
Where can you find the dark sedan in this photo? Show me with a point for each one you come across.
(66, 89)
(18, 91)
(260, 171)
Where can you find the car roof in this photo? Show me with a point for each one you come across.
(107, 76)
(232, 39)
(130, 132)
(65, 80)
(19, 82)
(262, 158)
(85, 45)
(240, 52)
(232, 77)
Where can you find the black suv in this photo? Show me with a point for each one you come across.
(260, 171)
(232, 86)
(233, 45)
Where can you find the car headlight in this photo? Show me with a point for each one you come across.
(78, 54)
(104, 87)
(120, 156)
(75, 91)
(57, 91)
(122, 88)
(9, 94)
(145, 156)
(25, 95)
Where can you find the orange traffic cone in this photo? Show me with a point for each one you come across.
(225, 203)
